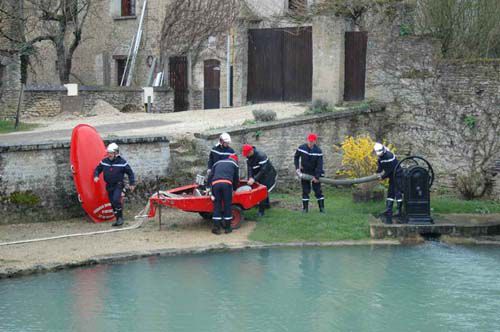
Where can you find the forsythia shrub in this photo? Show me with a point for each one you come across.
(358, 158)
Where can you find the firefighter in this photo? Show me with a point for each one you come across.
(387, 161)
(220, 151)
(114, 168)
(261, 170)
(309, 160)
(224, 179)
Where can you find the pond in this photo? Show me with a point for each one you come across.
(431, 287)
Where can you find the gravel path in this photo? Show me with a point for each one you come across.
(179, 231)
(111, 122)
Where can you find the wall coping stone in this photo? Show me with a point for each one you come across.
(65, 144)
(283, 123)
(62, 88)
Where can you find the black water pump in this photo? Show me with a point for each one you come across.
(414, 176)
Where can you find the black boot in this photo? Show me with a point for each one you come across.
(228, 228)
(321, 204)
(399, 206)
(305, 206)
(119, 218)
(388, 212)
(216, 229)
(388, 207)
(262, 208)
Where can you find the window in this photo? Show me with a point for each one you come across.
(120, 69)
(128, 8)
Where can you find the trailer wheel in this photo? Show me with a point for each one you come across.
(206, 215)
(238, 217)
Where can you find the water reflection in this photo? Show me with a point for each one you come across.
(425, 288)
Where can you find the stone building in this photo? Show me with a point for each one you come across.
(9, 72)
(269, 59)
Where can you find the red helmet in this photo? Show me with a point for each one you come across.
(247, 148)
(234, 157)
(312, 137)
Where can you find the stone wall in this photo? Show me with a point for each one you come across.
(279, 140)
(446, 111)
(10, 83)
(46, 101)
(41, 176)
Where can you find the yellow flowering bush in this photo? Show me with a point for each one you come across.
(358, 158)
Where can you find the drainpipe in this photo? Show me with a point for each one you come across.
(228, 69)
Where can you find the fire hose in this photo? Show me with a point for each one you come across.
(343, 182)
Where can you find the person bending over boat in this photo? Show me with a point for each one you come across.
(224, 179)
(114, 168)
(261, 170)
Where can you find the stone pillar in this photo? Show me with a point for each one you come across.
(328, 59)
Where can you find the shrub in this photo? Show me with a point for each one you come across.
(24, 198)
(264, 115)
(358, 158)
(473, 185)
(319, 106)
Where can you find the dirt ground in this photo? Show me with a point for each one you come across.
(111, 122)
(179, 231)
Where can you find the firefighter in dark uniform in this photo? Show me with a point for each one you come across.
(387, 162)
(220, 151)
(224, 179)
(261, 170)
(114, 169)
(309, 160)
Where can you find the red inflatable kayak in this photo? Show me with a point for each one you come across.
(86, 151)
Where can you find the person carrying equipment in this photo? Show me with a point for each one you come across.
(309, 160)
(220, 151)
(387, 161)
(261, 170)
(114, 169)
(224, 179)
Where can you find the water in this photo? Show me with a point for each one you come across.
(432, 287)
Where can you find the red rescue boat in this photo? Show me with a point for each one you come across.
(191, 198)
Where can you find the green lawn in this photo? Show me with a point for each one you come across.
(344, 220)
(7, 126)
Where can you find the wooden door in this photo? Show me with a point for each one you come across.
(211, 91)
(280, 64)
(297, 64)
(355, 65)
(178, 77)
(265, 76)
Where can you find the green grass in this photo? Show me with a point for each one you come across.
(344, 219)
(450, 204)
(7, 126)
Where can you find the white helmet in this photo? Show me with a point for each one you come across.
(224, 137)
(379, 149)
(113, 148)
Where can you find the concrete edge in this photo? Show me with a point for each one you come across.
(65, 144)
(282, 123)
(134, 255)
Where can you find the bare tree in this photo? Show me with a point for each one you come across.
(33, 21)
(467, 29)
(189, 23)
(302, 11)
